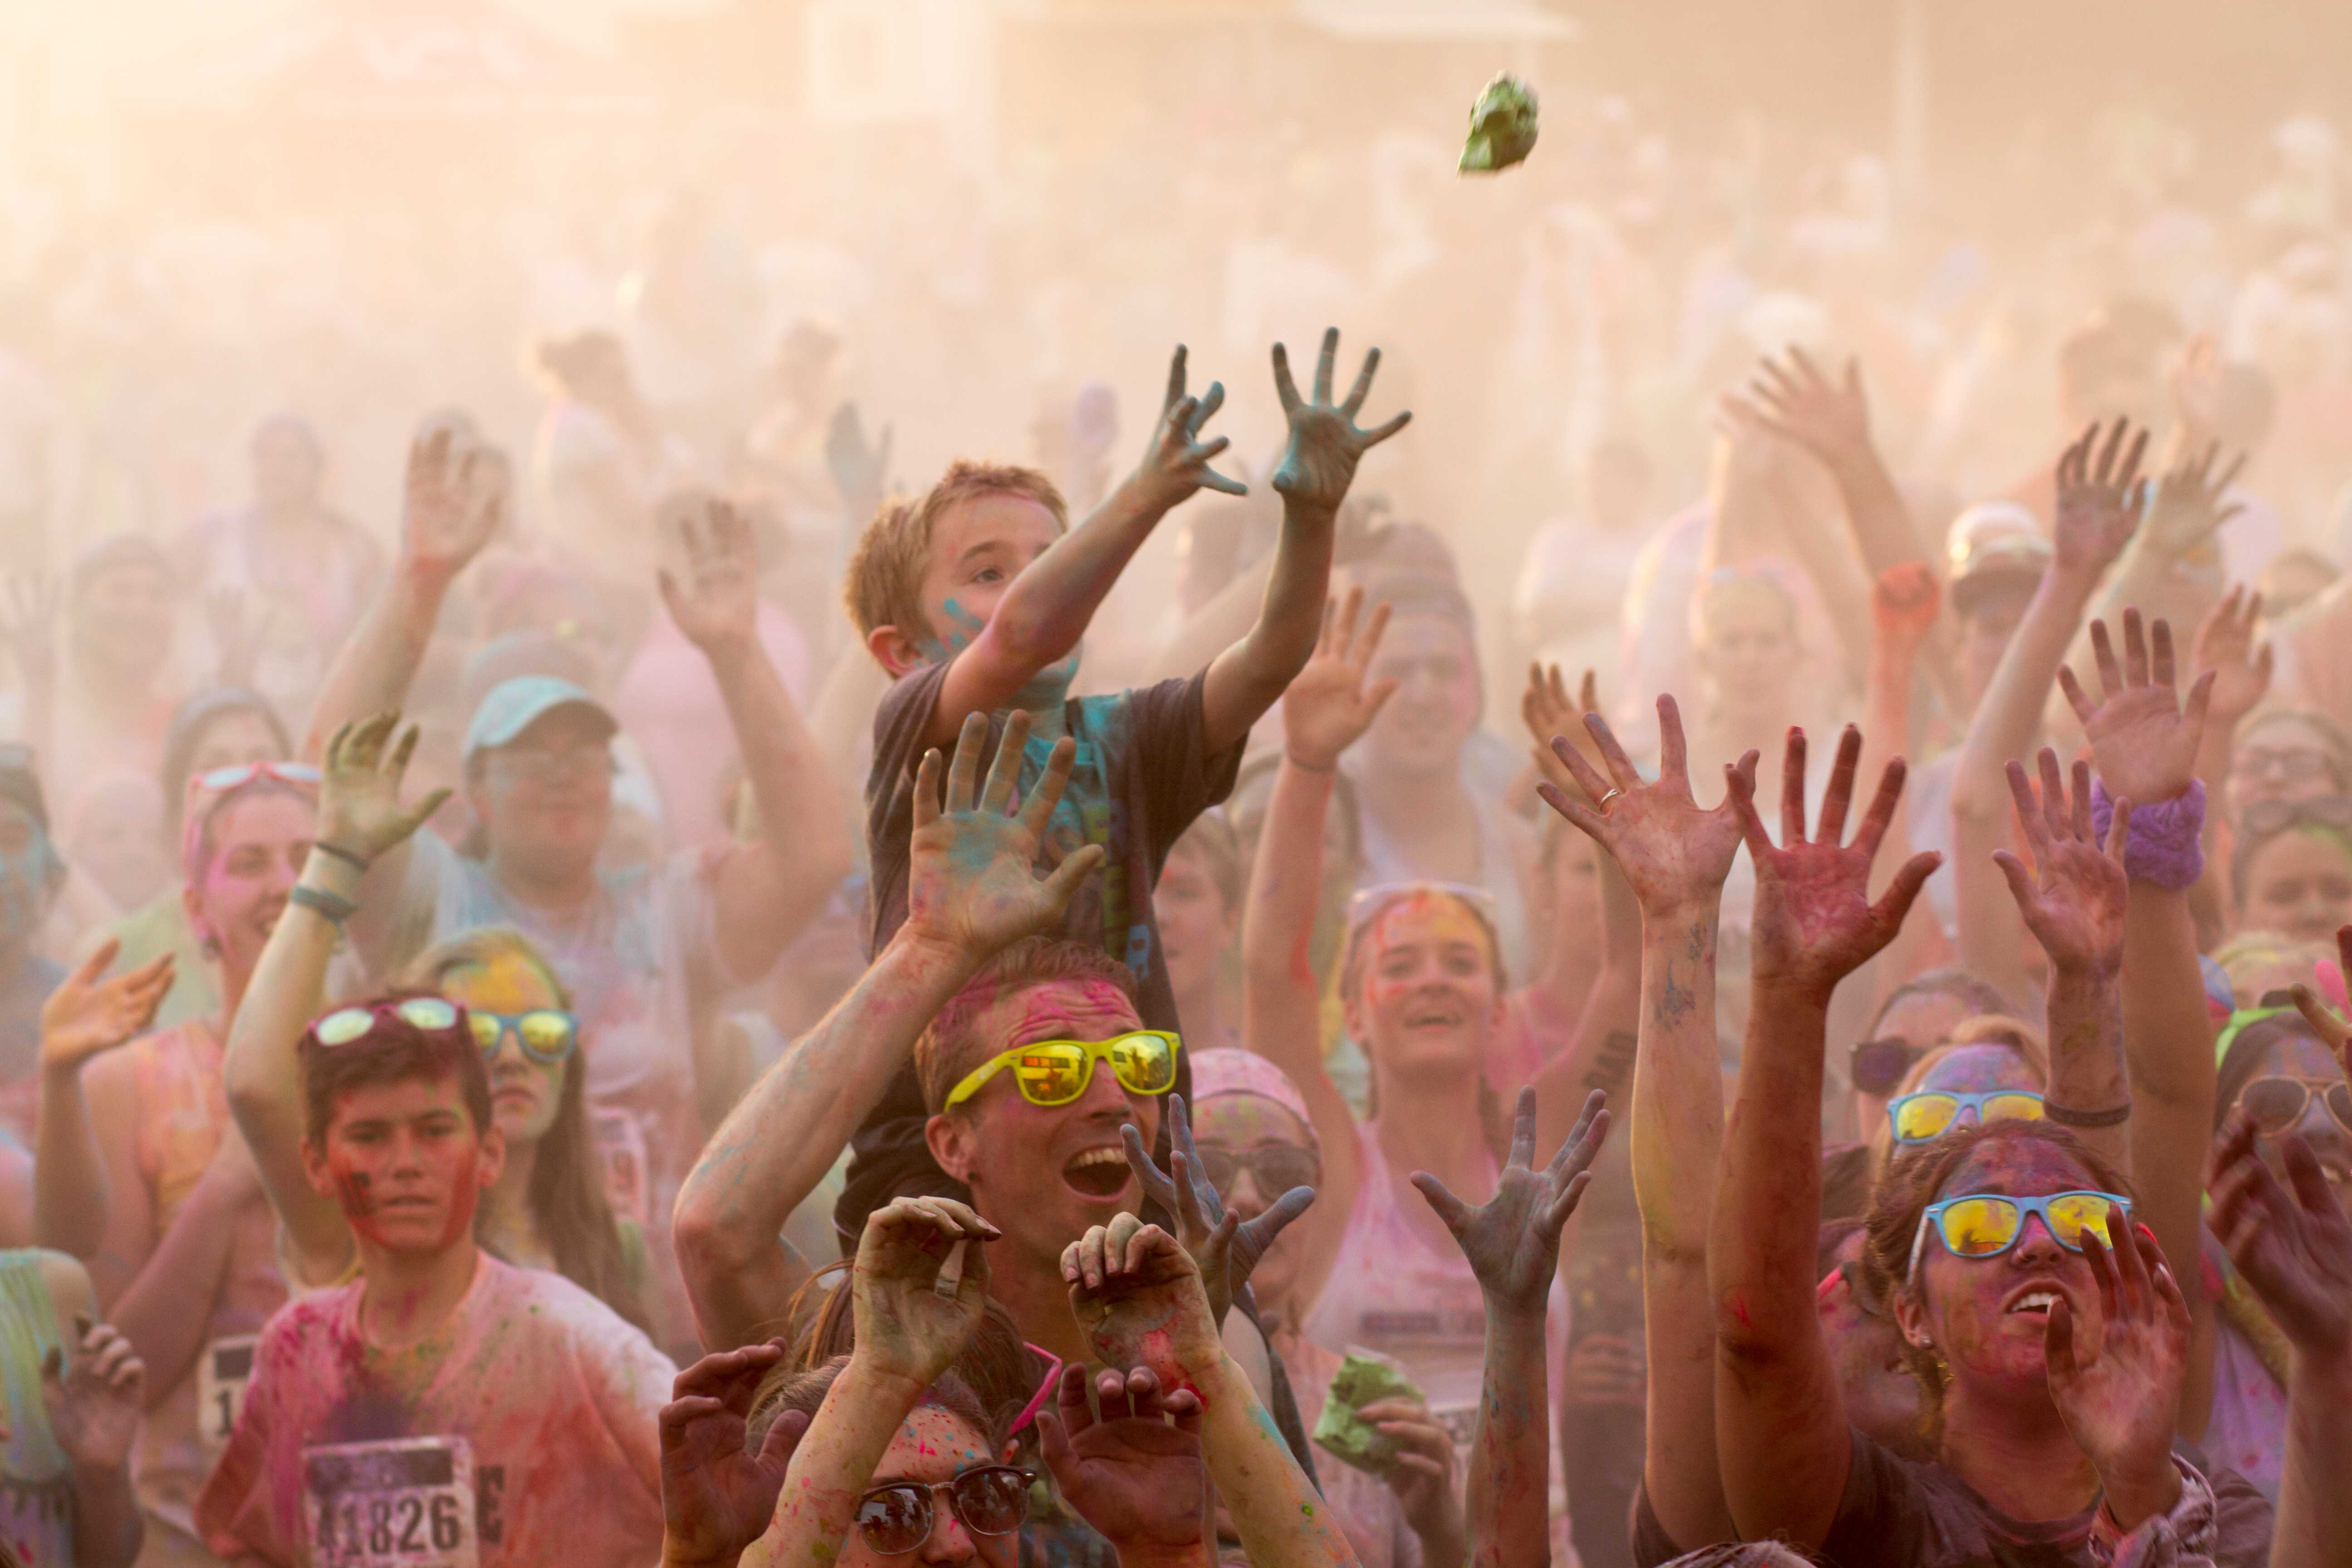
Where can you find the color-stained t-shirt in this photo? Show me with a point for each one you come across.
(1904, 1514)
(522, 1431)
(1141, 776)
(37, 1497)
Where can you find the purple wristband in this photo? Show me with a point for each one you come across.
(2163, 843)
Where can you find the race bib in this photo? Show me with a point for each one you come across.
(222, 1372)
(621, 1143)
(406, 1503)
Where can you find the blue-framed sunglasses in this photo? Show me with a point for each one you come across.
(1985, 1225)
(1929, 1114)
(547, 1034)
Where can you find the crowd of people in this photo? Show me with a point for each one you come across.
(689, 1001)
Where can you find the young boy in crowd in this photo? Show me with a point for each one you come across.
(976, 598)
(444, 1402)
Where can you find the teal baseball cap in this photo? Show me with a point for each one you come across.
(511, 706)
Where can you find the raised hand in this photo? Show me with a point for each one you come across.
(94, 1409)
(455, 497)
(913, 1312)
(2075, 909)
(718, 1497)
(2098, 500)
(1327, 706)
(1550, 714)
(970, 882)
(1176, 462)
(2319, 1015)
(1138, 1480)
(30, 630)
(1814, 924)
(1138, 1295)
(718, 607)
(1672, 853)
(860, 468)
(2144, 741)
(1831, 419)
(1513, 1241)
(2187, 509)
(2241, 666)
(1226, 1250)
(1904, 602)
(87, 1015)
(360, 811)
(2294, 1247)
(2117, 1378)
(1320, 462)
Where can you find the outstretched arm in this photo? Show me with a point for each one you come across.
(1780, 1428)
(359, 810)
(1676, 856)
(1038, 622)
(768, 888)
(971, 894)
(86, 1015)
(455, 497)
(1327, 708)
(1513, 1247)
(2294, 1247)
(1831, 420)
(1313, 479)
(2098, 509)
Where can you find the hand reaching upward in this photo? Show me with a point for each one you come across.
(2073, 899)
(1831, 419)
(2241, 666)
(1512, 1242)
(2098, 503)
(1176, 463)
(969, 881)
(1226, 1253)
(1672, 854)
(1327, 706)
(717, 604)
(456, 497)
(1814, 924)
(1319, 463)
(2142, 739)
(717, 1496)
(87, 1014)
(360, 811)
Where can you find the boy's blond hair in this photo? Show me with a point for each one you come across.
(884, 584)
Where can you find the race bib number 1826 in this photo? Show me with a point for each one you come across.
(406, 1503)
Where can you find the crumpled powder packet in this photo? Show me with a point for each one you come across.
(1502, 126)
(1364, 1377)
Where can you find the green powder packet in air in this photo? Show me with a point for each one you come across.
(1502, 126)
(1363, 1378)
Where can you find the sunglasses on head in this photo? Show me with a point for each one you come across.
(1928, 1115)
(220, 781)
(1876, 1067)
(346, 1026)
(1275, 1169)
(991, 1500)
(2277, 1103)
(1055, 1072)
(547, 1034)
(1985, 1225)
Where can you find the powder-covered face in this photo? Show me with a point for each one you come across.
(1240, 1124)
(1195, 923)
(1881, 1396)
(545, 799)
(524, 1094)
(1986, 1317)
(1422, 728)
(1043, 1173)
(978, 546)
(2299, 885)
(259, 841)
(1428, 1001)
(933, 1446)
(405, 1163)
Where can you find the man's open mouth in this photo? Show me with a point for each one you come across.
(1098, 1173)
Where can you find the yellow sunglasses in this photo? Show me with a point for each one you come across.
(1055, 1072)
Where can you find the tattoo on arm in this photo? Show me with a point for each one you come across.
(1676, 1003)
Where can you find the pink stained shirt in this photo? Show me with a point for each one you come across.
(537, 1403)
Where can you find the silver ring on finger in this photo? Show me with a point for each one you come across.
(1613, 795)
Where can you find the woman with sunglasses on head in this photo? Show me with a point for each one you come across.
(139, 1170)
(1994, 1072)
(2053, 1367)
(1916, 1017)
(548, 1208)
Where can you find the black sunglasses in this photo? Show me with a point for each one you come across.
(896, 1518)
